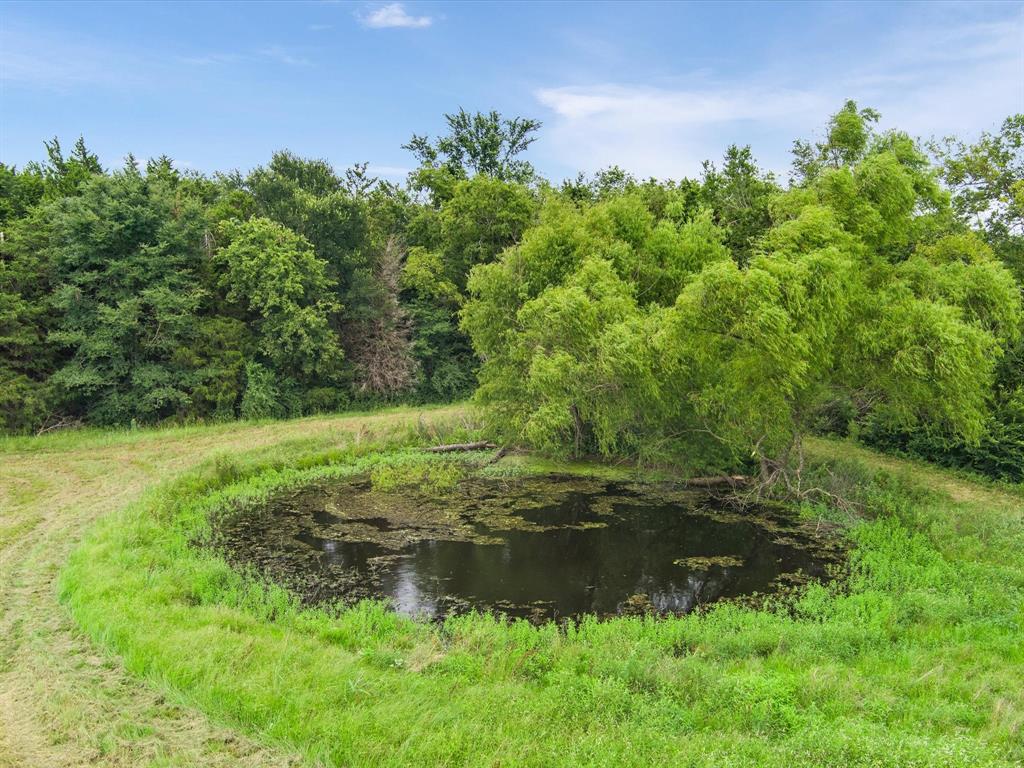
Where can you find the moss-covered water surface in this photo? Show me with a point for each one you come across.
(538, 547)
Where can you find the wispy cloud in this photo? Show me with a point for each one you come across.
(389, 171)
(955, 79)
(664, 131)
(43, 59)
(393, 15)
(209, 59)
(670, 106)
(284, 56)
(276, 53)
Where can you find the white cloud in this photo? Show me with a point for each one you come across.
(931, 81)
(394, 15)
(278, 53)
(955, 79)
(661, 131)
(676, 107)
(388, 171)
(212, 58)
(46, 59)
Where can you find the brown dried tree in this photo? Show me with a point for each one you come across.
(381, 345)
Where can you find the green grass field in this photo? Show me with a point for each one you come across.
(120, 644)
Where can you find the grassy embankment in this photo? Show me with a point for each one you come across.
(917, 660)
(65, 701)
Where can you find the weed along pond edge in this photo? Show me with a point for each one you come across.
(369, 686)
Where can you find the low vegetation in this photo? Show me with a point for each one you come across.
(63, 699)
(913, 659)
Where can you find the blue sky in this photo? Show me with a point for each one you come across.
(654, 87)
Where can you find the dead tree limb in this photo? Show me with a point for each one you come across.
(498, 456)
(482, 445)
(716, 481)
(64, 422)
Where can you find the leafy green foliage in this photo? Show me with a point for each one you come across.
(262, 398)
(19, 192)
(125, 255)
(478, 220)
(217, 359)
(477, 144)
(739, 194)
(284, 287)
(609, 329)
(985, 179)
(987, 182)
(62, 176)
(27, 359)
(565, 322)
(846, 140)
(723, 318)
(308, 198)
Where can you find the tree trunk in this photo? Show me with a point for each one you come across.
(578, 424)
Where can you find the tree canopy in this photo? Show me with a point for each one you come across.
(614, 330)
(722, 317)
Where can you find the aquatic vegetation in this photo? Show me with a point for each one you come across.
(537, 546)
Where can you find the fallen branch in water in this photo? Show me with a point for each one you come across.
(482, 445)
(498, 456)
(717, 481)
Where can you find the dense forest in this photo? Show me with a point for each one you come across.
(877, 291)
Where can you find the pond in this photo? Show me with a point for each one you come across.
(537, 548)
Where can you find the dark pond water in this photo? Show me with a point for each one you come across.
(539, 548)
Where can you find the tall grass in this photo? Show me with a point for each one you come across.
(916, 659)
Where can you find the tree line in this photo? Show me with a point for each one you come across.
(722, 317)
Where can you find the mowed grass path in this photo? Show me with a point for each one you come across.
(64, 703)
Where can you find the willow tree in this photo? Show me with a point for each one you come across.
(855, 296)
(611, 326)
(566, 323)
(761, 352)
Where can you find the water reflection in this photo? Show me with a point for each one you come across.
(602, 550)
